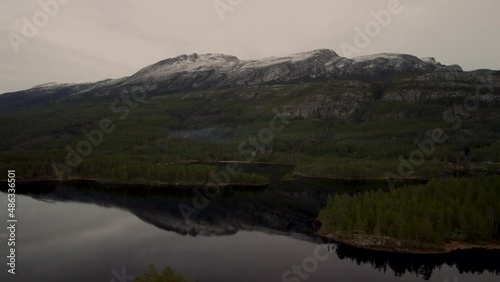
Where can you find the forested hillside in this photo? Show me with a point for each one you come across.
(463, 210)
(325, 131)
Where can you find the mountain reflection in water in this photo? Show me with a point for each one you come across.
(286, 208)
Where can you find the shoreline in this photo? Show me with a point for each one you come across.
(303, 176)
(132, 184)
(447, 248)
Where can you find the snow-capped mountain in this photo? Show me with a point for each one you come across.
(212, 71)
(218, 70)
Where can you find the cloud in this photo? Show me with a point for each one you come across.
(91, 40)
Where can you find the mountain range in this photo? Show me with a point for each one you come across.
(359, 117)
(217, 71)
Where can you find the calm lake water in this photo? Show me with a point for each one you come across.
(69, 234)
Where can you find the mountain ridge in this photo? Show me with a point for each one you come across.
(219, 71)
(348, 118)
(222, 62)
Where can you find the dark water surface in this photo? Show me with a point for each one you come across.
(77, 235)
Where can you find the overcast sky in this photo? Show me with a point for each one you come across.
(90, 40)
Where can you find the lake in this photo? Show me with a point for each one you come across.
(86, 235)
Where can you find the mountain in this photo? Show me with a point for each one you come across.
(360, 117)
(217, 71)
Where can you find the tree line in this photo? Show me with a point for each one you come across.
(464, 210)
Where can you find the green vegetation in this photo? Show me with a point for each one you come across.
(460, 210)
(123, 170)
(210, 126)
(362, 168)
(167, 275)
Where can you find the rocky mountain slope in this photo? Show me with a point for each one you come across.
(348, 117)
(428, 80)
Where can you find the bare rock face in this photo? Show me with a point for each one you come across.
(340, 106)
(483, 86)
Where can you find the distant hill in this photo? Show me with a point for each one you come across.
(348, 117)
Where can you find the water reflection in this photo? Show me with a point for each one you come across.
(286, 209)
(470, 261)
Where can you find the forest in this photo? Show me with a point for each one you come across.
(210, 125)
(445, 210)
(119, 169)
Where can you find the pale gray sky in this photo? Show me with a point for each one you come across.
(90, 40)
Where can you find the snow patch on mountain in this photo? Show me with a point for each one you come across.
(203, 71)
(294, 58)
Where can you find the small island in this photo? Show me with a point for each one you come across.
(439, 217)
